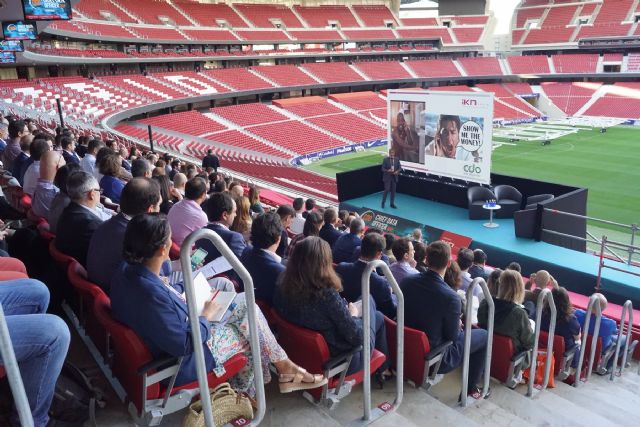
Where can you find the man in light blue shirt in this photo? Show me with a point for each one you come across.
(405, 264)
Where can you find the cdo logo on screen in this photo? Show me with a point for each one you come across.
(472, 169)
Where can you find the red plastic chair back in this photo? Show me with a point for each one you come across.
(416, 347)
(25, 202)
(501, 355)
(33, 217)
(63, 260)
(558, 349)
(174, 252)
(587, 353)
(45, 232)
(266, 310)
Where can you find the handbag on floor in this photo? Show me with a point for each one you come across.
(227, 405)
(540, 364)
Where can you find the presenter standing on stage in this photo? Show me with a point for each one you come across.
(390, 170)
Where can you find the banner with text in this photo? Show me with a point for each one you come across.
(442, 133)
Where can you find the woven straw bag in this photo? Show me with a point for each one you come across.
(227, 405)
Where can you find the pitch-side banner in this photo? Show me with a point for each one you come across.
(442, 133)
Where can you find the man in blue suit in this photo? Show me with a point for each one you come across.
(346, 244)
(329, 231)
(351, 274)
(221, 211)
(140, 195)
(261, 260)
(433, 307)
(68, 150)
(390, 170)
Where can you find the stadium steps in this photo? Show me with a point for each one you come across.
(244, 18)
(266, 79)
(546, 105)
(460, 68)
(183, 13)
(293, 116)
(310, 74)
(231, 125)
(169, 85)
(504, 66)
(359, 72)
(633, 28)
(128, 13)
(206, 77)
(395, 33)
(408, 70)
(305, 24)
(360, 114)
(182, 33)
(552, 66)
(600, 66)
(602, 91)
(355, 15)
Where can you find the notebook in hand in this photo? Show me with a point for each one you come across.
(204, 293)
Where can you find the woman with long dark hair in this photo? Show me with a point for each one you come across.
(157, 312)
(309, 296)
(312, 225)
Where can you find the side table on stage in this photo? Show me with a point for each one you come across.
(491, 208)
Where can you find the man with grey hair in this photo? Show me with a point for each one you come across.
(81, 218)
(346, 244)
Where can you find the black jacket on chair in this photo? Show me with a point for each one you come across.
(75, 229)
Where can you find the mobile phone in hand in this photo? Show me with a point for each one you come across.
(197, 257)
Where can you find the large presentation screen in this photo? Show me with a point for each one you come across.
(47, 9)
(442, 133)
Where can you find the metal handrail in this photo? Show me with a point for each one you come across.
(366, 347)
(478, 281)
(627, 308)
(594, 302)
(545, 294)
(13, 373)
(185, 262)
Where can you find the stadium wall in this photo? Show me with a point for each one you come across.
(462, 7)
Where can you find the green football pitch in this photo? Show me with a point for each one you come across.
(607, 164)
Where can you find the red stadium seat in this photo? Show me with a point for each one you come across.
(419, 358)
(174, 252)
(133, 366)
(44, 232)
(506, 364)
(25, 202)
(308, 349)
(63, 260)
(14, 265)
(562, 357)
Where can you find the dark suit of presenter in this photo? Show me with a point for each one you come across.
(390, 165)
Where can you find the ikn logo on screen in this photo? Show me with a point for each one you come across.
(473, 102)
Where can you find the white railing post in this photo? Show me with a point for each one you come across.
(627, 314)
(594, 302)
(544, 295)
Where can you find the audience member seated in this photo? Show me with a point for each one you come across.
(465, 260)
(165, 192)
(514, 266)
(187, 215)
(286, 214)
(104, 256)
(261, 260)
(493, 282)
(242, 221)
(254, 200)
(88, 162)
(433, 307)
(356, 253)
(40, 342)
(221, 211)
(162, 325)
(68, 145)
(351, 275)
(32, 173)
(309, 296)
(61, 199)
(346, 244)
(46, 191)
(405, 264)
(608, 327)
(81, 218)
(111, 183)
(297, 223)
(389, 239)
(312, 225)
(479, 268)
(23, 158)
(329, 231)
(567, 325)
(453, 278)
(420, 256)
(236, 190)
(309, 206)
(17, 129)
(511, 319)
(179, 183)
(141, 168)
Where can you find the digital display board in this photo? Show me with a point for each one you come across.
(46, 10)
(11, 46)
(7, 58)
(19, 30)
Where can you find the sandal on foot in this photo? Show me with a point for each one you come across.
(295, 382)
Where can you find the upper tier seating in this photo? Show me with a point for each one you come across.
(360, 101)
(369, 34)
(554, 27)
(206, 14)
(238, 139)
(350, 126)
(95, 9)
(146, 86)
(375, 15)
(427, 33)
(468, 34)
(309, 106)
(608, 21)
(481, 66)
(570, 97)
(150, 11)
(237, 78)
(316, 35)
(530, 64)
(434, 68)
(383, 70)
(575, 63)
(332, 72)
(260, 15)
(210, 35)
(467, 19)
(633, 62)
(156, 33)
(249, 114)
(285, 75)
(255, 35)
(320, 16)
